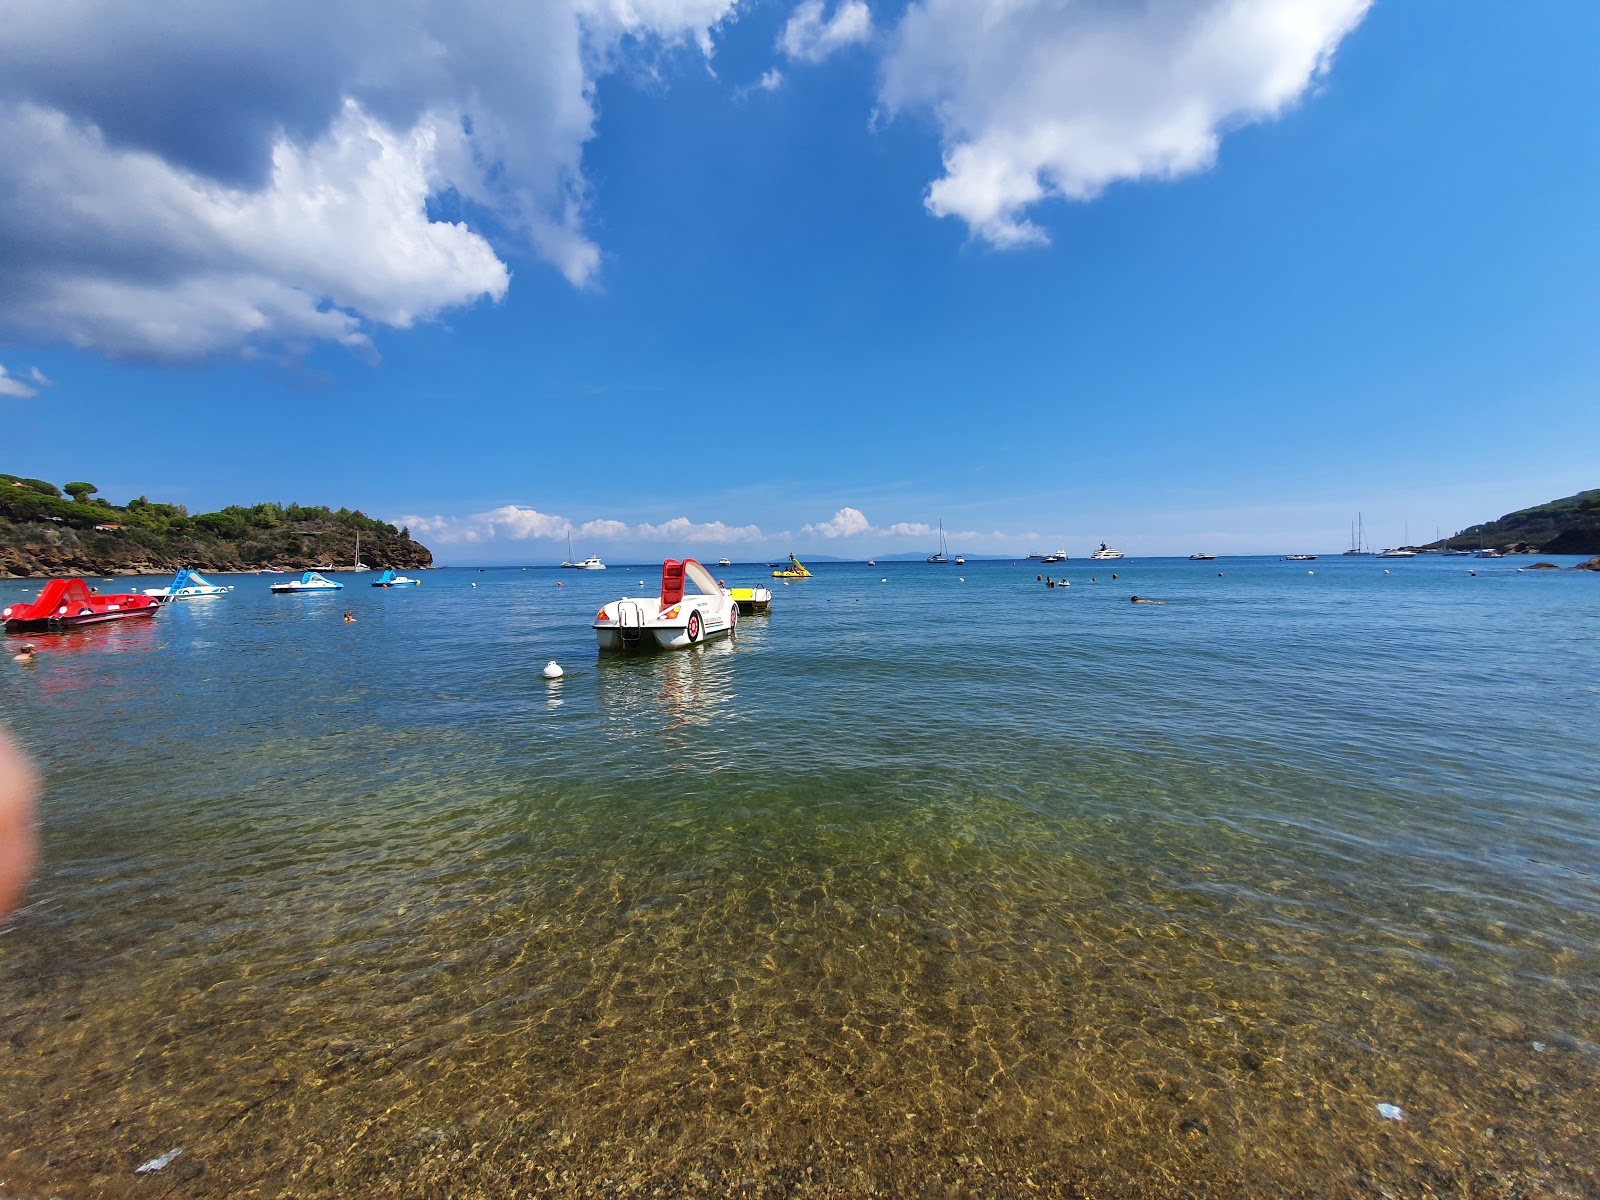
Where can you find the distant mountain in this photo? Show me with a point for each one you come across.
(44, 534)
(921, 556)
(1570, 525)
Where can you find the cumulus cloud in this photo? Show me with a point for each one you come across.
(515, 522)
(852, 522)
(771, 81)
(1039, 99)
(847, 522)
(810, 37)
(186, 179)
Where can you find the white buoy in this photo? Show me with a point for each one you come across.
(883, 581)
(1310, 572)
(474, 585)
(1386, 570)
(963, 578)
(552, 670)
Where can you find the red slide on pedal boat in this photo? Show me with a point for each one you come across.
(66, 603)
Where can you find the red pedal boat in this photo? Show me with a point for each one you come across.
(66, 603)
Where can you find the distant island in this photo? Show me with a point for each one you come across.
(1570, 525)
(48, 531)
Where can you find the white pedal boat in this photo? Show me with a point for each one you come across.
(309, 582)
(673, 620)
(187, 585)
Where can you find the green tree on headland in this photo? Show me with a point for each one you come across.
(80, 491)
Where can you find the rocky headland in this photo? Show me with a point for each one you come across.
(44, 534)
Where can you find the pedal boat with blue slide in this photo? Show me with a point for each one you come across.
(311, 581)
(188, 584)
(68, 603)
(676, 619)
(389, 579)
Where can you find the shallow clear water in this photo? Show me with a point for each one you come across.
(949, 884)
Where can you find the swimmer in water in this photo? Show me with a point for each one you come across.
(349, 617)
(1142, 600)
(24, 654)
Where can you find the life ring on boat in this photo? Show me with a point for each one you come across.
(694, 626)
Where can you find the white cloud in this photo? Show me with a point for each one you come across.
(10, 385)
(771, 81)
(847, 522)
(903, 529)
(515, 522)
(1039, 99)
(39, 377)
(681, 529)
(191, 182)
(808, 37)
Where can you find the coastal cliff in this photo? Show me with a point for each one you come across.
(1570, 525)
(44, 534)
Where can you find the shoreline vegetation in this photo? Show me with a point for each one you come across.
(46, 531)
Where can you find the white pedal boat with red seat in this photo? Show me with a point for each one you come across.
(677, 618)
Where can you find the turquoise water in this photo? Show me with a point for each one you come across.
(934, 881)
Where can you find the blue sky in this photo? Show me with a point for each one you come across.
(698, 277)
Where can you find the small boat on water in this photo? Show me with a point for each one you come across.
(724, 562)
(795, 570)
(1300, 557)
(1397, 553)
(68, 603)
(311, 581)
(1106, 551)
(188, 585)
(592, 563)
(960, 562)
(675, 619)
(752, 599)
(389, 579)
(941, 555)
(270, 571)
(1202, 557)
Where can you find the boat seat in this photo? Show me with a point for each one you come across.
(671, 583)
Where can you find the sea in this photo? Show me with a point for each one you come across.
(934, 881)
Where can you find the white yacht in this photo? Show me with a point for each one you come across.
(1202, 557)
(1397, 553)
(1106, 551)
(592, 563)
(724, 562)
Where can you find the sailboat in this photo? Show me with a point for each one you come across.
(1357, 536)
(942, 554)
(569, 564)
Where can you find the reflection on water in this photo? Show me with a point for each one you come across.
(1160, 903)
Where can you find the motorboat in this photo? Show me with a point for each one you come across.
(270, 571)
(389, 579)
(1486, 553)
(675, 619)
(1300, 557)
(724, 562)
(311, 581)
(1202, 557)
(795, 570)
(960, 562)
(1397, 553)
(872, 562)
(752, 599)
(188, 584)
(1106, 551)
(68, 603)
(592, 563)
